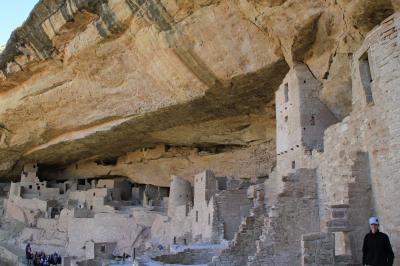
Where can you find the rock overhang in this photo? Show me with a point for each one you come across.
(103, 93)
(95, 79)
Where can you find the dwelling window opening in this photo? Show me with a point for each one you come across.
(286, 92)
(197, 216)
(293, 164)
(312, 121)
(342, 244)
(366, 76)
(103, 249)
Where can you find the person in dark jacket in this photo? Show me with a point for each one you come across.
(29, 254)
(377, 250)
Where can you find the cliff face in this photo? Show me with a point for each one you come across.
(93, 80)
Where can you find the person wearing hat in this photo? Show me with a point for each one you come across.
(377, 250)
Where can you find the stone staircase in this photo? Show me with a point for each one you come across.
(244, 242)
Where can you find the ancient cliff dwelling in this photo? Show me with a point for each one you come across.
(200, 132)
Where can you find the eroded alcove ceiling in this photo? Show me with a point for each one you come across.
(167, 85)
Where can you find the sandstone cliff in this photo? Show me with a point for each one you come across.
(93, 80)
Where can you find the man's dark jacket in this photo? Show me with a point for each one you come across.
(377, 250)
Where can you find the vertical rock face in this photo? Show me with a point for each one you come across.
(150, 89)
(98, 79)
(125, 72)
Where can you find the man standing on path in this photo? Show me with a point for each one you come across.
(377, 250)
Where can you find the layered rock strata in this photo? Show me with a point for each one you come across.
(98, 79)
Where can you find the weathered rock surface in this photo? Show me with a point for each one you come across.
(93, 80)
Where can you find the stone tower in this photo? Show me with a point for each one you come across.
(180, 194)
(301, 119)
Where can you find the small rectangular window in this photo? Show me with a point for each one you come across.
(209, 219)
(293, 164)
(286, 92)
(312, 122)
(286, 118)
(197, 216)
(103, 249)
(366, 76)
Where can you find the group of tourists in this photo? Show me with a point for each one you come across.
(40, 258)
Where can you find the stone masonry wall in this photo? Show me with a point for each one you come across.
(294, 213)
(318, 249)
(244, 242)
(180, 194)
(203, 207)
(233, 205)
(189, 256)
(301, 119)
(370, 136)
(357, 165)
(385, 178)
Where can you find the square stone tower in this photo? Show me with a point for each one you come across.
(205, 186)
(301, 119)
(29, 173)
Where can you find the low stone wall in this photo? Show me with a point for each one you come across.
(10, 255)
(243, 244)
(318, 249)
(232, 206)
(189, 256)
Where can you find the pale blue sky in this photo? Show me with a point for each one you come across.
(12, 14)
